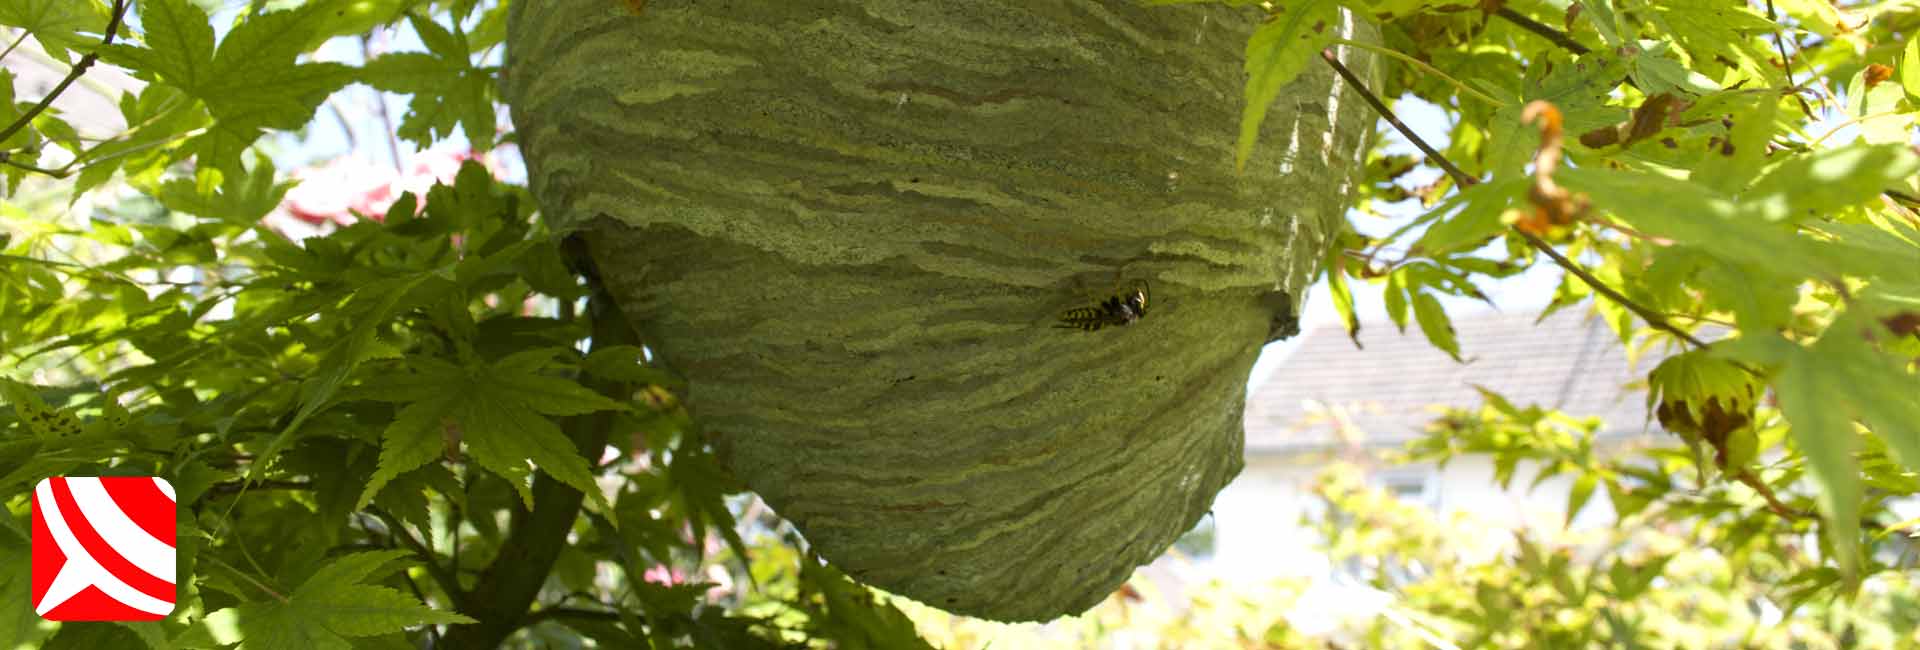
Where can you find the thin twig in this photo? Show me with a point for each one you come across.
(1773, 501)
(1651, 317)
(6, 158)
(16, 43)
(433, 631)
(113, 27)
(380, 105)
(1558, 37)
(207, 557)
(397, 536)
(234, 487)
(535, 618)
(1461, 178)
(1780, 43)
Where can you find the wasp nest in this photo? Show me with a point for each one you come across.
(854, 226)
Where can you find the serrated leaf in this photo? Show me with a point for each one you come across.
(59, 25)
(552, 395)
(1281, 48)
(1753, 128)
(1578, 496)
(335, 604)
(1711, 31)
(1480, 208)
(504, 433)
(252, 81)
(1878, 110)
(1814, 184)
(1435, 324)
(340, 360)
(1825, 435)
(448, 91)
(179, 44)
(1395, 297)
(414, 438)
(1910, 70)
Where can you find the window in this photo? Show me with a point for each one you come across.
(1419, 486)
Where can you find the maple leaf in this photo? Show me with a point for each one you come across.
(252, 81)
(500, 413)
(447, 89)
(334, 604)
(59, 25)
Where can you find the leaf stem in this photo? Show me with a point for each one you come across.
(207, 557)
(113, 27)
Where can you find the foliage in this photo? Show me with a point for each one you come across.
(1733, 179)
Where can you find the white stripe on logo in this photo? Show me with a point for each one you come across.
(81, 571)
(126, 537)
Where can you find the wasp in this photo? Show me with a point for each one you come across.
(1116, 311)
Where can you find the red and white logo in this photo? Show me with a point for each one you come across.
(103, 548)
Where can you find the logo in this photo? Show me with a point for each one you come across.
(103, 548)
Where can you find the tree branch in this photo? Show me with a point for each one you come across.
(235, 487)
(113, 27)
(397, 536)
(1461, 178)
(1558, 37)
(571, 612)
(507, 588)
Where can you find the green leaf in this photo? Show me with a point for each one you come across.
(1879, 110)
(500, 412)
(242, 199)
(1435, 324)
(179, 44)
(1578, 496)
(1826, 436)
(335, 604)
(1479, 219)
(1396, 299)
(1342, 296)
(1815, 184)
(92, 635)
(340, 360)
(448, 91)
(1712, 32)
(503, 433)
(252, 82)
(1753, 128)
(416, 437)
(59, 25)
(1601, 15)
(1910, 70)
(1281, 48)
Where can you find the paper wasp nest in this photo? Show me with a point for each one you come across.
(855, 225)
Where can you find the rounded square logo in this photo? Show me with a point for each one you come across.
(103, 548)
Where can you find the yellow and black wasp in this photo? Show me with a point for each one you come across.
(1115, 311)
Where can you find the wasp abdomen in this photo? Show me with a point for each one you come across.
(1114, 311)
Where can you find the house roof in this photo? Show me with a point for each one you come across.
(1571, 361)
